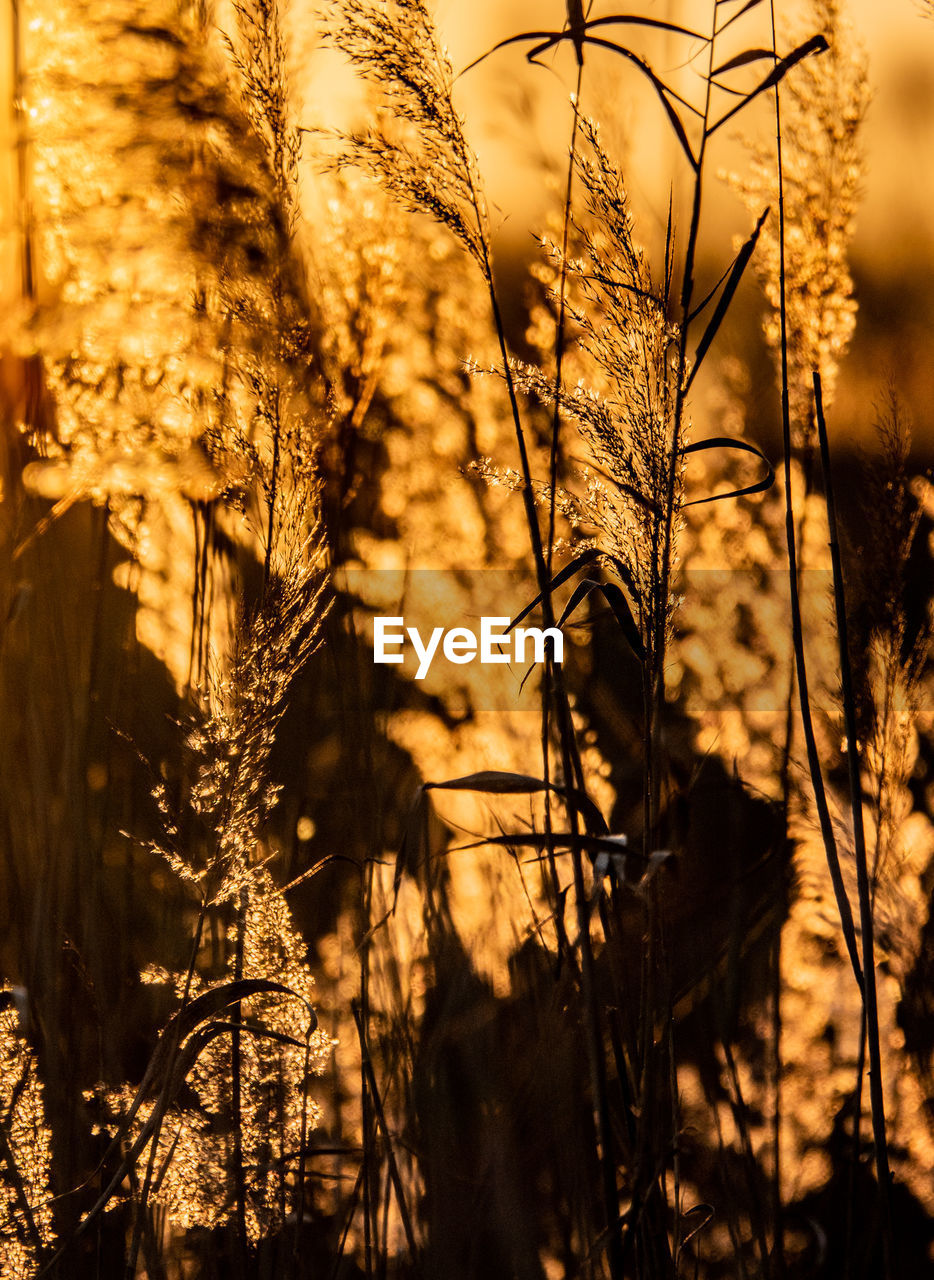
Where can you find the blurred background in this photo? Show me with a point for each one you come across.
(517, 119)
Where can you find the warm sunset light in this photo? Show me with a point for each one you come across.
(465, 628)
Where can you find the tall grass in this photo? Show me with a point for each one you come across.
(314, 970)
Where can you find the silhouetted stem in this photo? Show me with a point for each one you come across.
(573, 776)
(394, 1176)
(236, 1076)
(162, 1102)
(562, 317)
(877, 1103)
(797, 632)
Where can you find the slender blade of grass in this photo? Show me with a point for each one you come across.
(867, 933)
(726, 297)
(816, 44)
(730, 442)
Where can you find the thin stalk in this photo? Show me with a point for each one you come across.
(573, 774)
(675, 1129)
(195, 600)
(394, 1175)
(854, 1146)
(31, 366)
(553, 474)
(300, 1165)
(384, 1231)
(273, 480)
(797, 632)
(24, 1222)
(236, 1088)
(270, 107)
(778, 1213)
(562, 319)
(778, 1217)
(687, 292)
(654, 673)
(162, 1102)
(362, 1019)
(27, 269)
(348, 1223)
(864, 890)
(740, 1112)
(861, 1054)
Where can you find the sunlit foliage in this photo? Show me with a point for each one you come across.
(25, 1150)
(824, 105)
(195, 1181)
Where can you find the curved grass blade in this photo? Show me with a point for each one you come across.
(617, 601)
(797, 629)
(495, 782)
(708, 297)
(633, 20)
(743, 60)
(550, 39)
(628, 490)
(180, 1028)
(728, 442)
(625, 287)
(562, 576)
(24, 1221)
(195, 1044)
(414, 846)
(574, 31)
(816, 44)
(750, 4)
(585, 558)
(661, 89)
(624, 574)
(492, 781)
(259, 1032)
(548, 36)
(557, 840)
(726, 297)
(602, 43)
